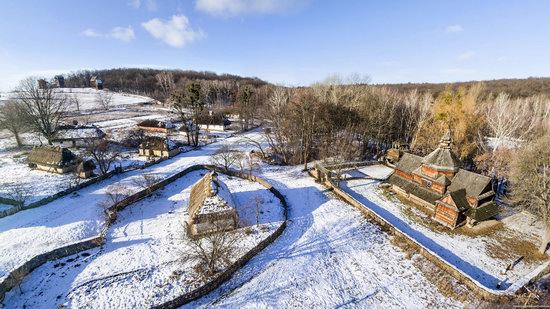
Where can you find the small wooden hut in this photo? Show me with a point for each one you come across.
(211, 207)
(155, 146)
(52, 159)
(85, 169)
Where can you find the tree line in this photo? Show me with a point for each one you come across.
(147, 82)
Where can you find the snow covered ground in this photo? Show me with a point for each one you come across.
(78, 216)
(477, 256)
(15, 171)
(329, 256)
(141, 263)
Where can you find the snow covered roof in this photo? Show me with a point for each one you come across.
(70, 132)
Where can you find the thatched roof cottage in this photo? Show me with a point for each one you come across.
(52, 159)
(453, 196)
(155, 146)
(211, 207)
(151, 125)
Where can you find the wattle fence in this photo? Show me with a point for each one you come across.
(17, 275)
(325, 176)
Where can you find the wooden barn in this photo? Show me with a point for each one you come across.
(156, 126)
(451, 195)
(52, 159)
(211, 207)
(155, 146)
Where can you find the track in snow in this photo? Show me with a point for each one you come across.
(329, 256)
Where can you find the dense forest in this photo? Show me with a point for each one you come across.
(146, 81)
(516, 88)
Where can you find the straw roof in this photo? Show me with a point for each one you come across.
(210, 195)
(52, 156)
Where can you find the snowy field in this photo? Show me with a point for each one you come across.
(329, 256)
(88, 98)
(77, 217)
(484, 258)
(15, 171)
(141, 264)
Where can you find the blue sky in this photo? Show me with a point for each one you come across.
(295, 42)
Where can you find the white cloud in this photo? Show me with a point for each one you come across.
(466, 55)
(91, 33)
(135, 3)
(175, 32)
(124, 34)
(240, 7)
(454, 29)
(501, 58)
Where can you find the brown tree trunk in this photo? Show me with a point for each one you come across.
(17, 138)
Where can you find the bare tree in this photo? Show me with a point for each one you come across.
(19, 193)
(105, 98)
(75, 100)
(530, 175)
(338, 148)
(256, 144)
(211, 252)
(257, 203)
(43, 108)
(103, 153)
(12, 118)
(276, 112)
(189, 104)
(511, 119)
(145, 181)
(226, 157)
(166, 82)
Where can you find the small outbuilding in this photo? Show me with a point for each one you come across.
(52, 159)
(77, 135)
(213, 122)
(155, 146)
(156, 126)
(85, 169)
(96, 83)
(59, 81)
(211, 207)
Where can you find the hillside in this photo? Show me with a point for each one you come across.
(515, 87)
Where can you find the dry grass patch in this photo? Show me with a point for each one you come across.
(508, 245)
